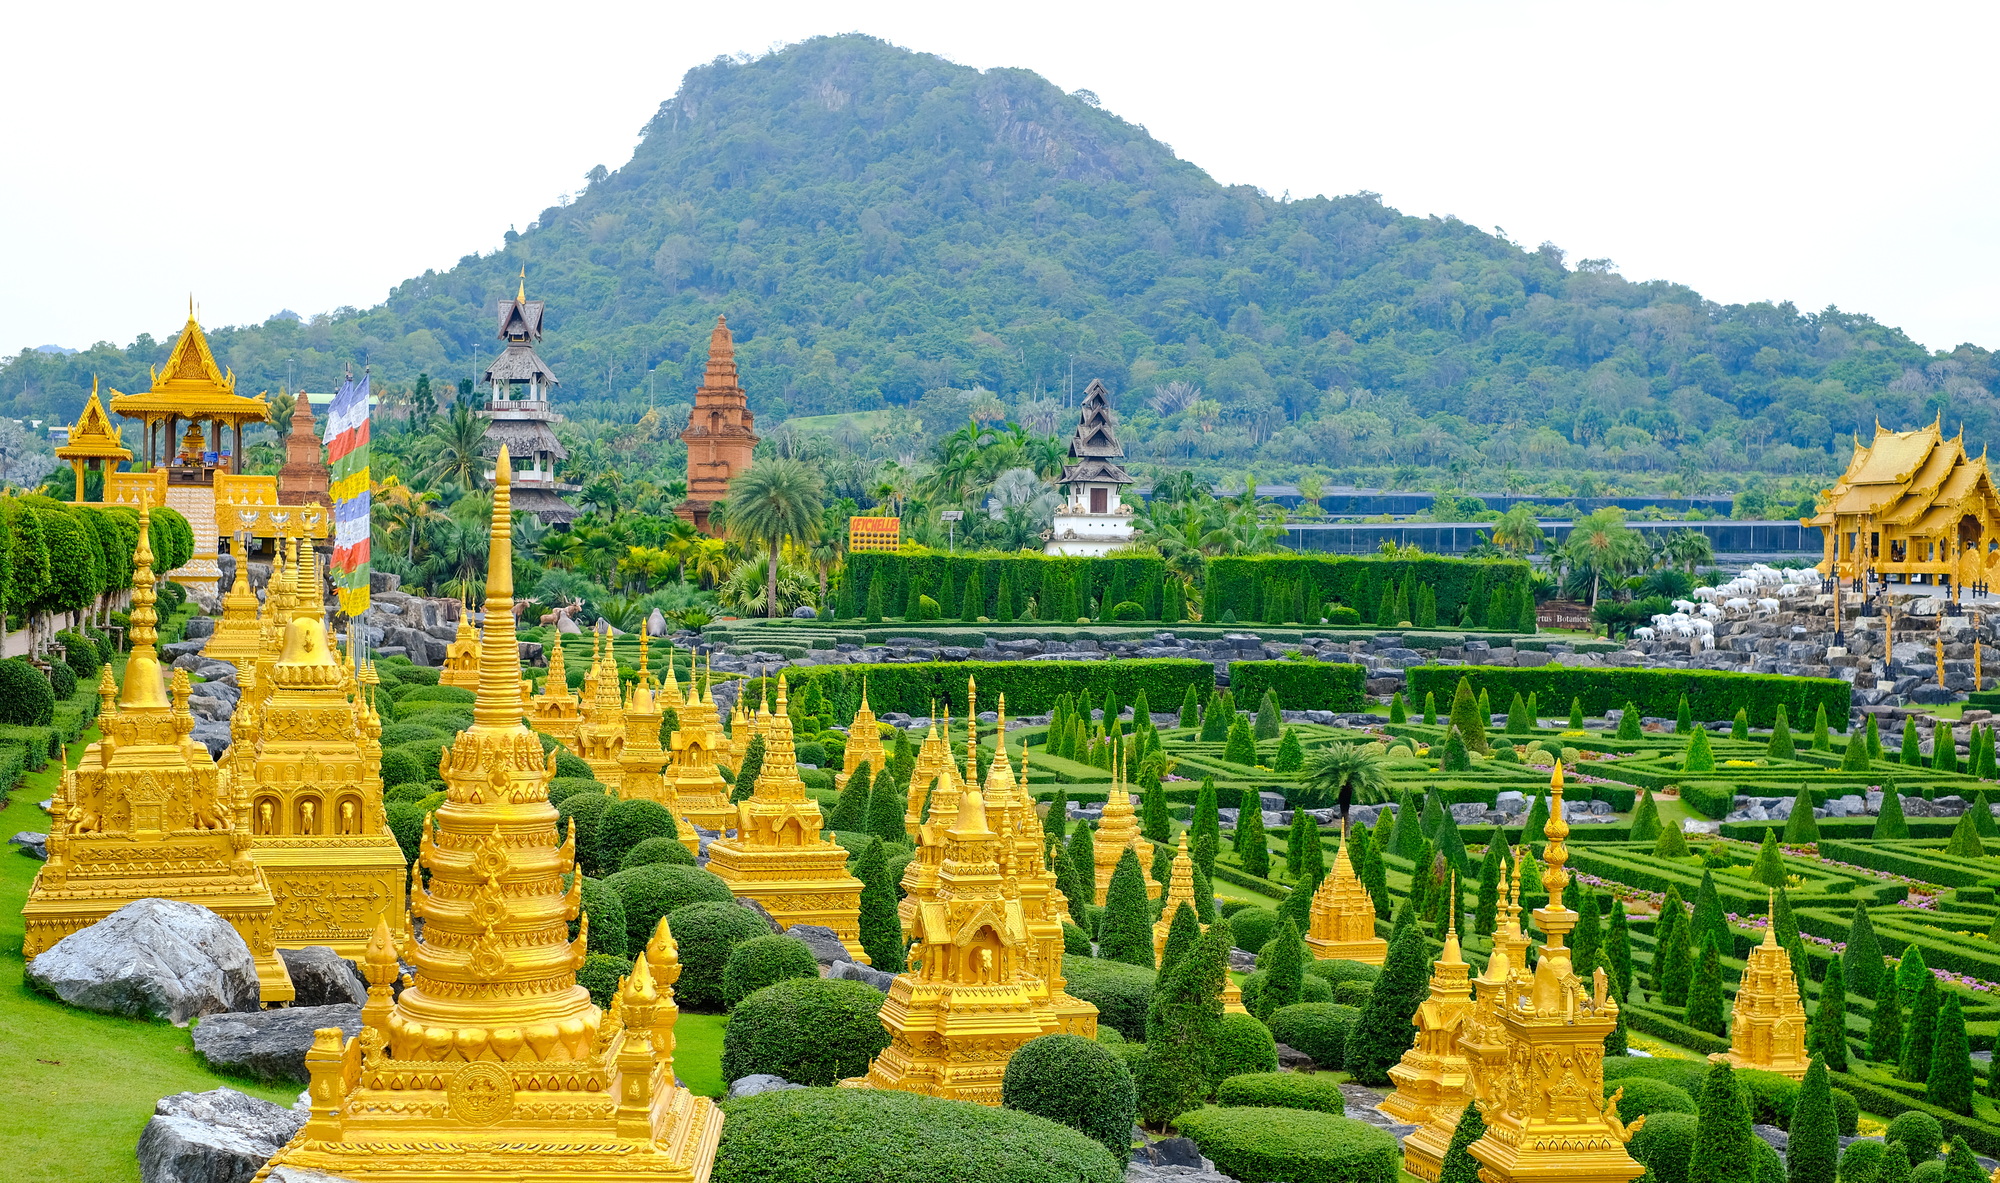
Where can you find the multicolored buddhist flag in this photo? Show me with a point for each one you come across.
(347, 453)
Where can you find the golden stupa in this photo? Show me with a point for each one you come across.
(966, 1003)
(553, 712)
(492, 1063)
(1482, 1040)
(1431, 1077)
(237, 632)
(864, 743)
(146, 813)
(600, 729)
(1342, 923)
(640, 756)
(740, 730)
(1117, 831)
(1767, 1029)
(698, 745)
(461, 654)
(934, 764)
(777, 856)
(1548, 1119)
(314, 781)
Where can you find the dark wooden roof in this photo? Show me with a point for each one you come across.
(519, 363)
(1094, 471)
(544, 504)
(520, 320)
(523, 438)
(1095, 437)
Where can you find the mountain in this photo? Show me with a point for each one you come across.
(879, 224)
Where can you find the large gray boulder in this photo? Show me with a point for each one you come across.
(852, 971)
(270, 1044)
(760, 1082)
(151, 958)
(221, 1136)
(824, 942)
(323, 977)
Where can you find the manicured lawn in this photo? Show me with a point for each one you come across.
(698, 1053)
(76, 1088)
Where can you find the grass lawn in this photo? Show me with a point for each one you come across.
(698, 1053)
(76, 1088)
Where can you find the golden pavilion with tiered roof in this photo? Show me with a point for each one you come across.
(147, 814)
(600, 728)
(1912, 507)
(777, 856)
(1342, 922)
(492, 1062)
(94, 443)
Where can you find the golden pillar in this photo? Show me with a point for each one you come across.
(1342, 923)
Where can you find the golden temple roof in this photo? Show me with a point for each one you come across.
(192, 386)
(93, 436)
(1915, 480)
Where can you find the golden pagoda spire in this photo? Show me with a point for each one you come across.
(145, 687)
(521, 293)
(1341, 924)
(1767, 1028)
(1431, 1077)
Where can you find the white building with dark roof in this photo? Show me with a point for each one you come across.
(518, 414)
(1092, 519)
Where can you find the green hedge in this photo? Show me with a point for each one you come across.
(1301, 685)
(1319, 1029)
(1878, 1090)
(1031, 687)
(38, 744)
(1711, 694)
(1050, 579)
(1920, 859)
(1293, 1146)
(1283, 1090)
(1237, 584)
(1666, 1024)
(887, 1136)
(1120, 992)
(811, 1031)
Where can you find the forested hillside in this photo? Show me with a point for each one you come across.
(886, 229)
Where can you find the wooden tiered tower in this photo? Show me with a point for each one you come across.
(721, 431)
(518, 413)
(492, 1063)
(146, 813)
(1342, 923)
(777, 856)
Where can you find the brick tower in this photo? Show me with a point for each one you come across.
(720, 433)
(305, 477)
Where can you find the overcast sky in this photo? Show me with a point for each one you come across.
(268, 156)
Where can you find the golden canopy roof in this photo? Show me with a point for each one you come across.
(191, 386)
(1915, 480)
(93, 436)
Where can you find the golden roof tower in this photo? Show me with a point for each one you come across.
(461, 655)
(864, 743)
(554, 711)
(1117, 831)
(1768, 1027)
(492, 1062)
(1342, 923)
(696, 746)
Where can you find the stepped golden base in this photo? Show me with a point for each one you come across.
(796, 885)
(1369, 952)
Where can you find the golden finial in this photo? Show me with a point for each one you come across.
(498, 703)
(521, 295)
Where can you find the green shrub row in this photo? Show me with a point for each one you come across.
(1665, 1023)
(1294, 1145)
(1849, 828)
(1237, 585)
(1031, 687)
(1879, 1091)
(1635, 866)
(1062, 585)
(1711, 694)
(1301, 685)
(1904, 857)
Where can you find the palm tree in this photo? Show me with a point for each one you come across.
(1689, 548)
(1340, 775)
(460, 440)
(776, 500)
(1518, 530)
(1602, 542)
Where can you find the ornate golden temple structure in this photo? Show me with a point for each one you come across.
(493, 1062)
(554, 711)
(93, 443)
(697, 745)
(1432, 1077)
(305, 749)
(146, 813)
(1342, 922)
(1118, 831)
(461, 655)
(864, 743)
(600, 728)
(777, 856)
(1912, 507)
(1768, 1027)
(1546, 1116)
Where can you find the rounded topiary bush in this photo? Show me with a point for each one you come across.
(653, 891)
(1251, 928)
(705, 934)
(562, 788)
(409, 790)
(815, 1031)
(657, 850)
(1686, 1075)
(600, 975)
(811, 752)
(1664, 1146)
(888, 1136)
(1074, 1082)
(1919, 1133)
(608, 930)
(584, 812)
(406, 824)
(1312, 989)
(427, 753)
(1319, 1029)
(62, 681)
(397, 734)
(1319, 1092)
(399, 768)
(1770, 1167)
(1128, 610)
(764, 961)
(1770, 1097)
(25, 697)
(1295, 1145)
(421, 675)
(1847, 1112)
(1076, 942)
(1335, 971)
(628, 823)
(80, 654)
(1861, 1162)
(571, 766)
(1354, 994)
(1644, 1096)
(1120, 992)
(1244, 1045)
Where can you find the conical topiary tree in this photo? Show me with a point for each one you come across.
(1722, 1150)
(1854, 757)
(1965, 841)
(1398, 713)
(1291, 755)
(1466, 718)
(1782, 747)
(1739, 727)
(1672, 843)
(1576, 714)
(1675, 966)
(1518, 722)
(1920, 1034)
(1456, 757)
(1704, 1005)
(1538, 817)
(1949, 1081)
(1588, 935)
(1961, 1165)
(1383, 1032)
(1408, 834)
(1082, 855)
(1284, 970)
(1628, 721)
(1769, 869)
(1891, 823)
(1700, 756)
(1430, 708)
(1911, 973)
(1982, 805)
(1821, 740)
(1813, 1152)
(1874, 736)
(1253, 849)
(1190, 709)
(1944, 748)
(1242, 746)
(1673, 914)
(1826, 1039)
(887, 804)
(1485, 706)
(1885, 1027)
(1270, 720)
(1912, 754)
(1683, 718)
(1077, 891)
(881, 931)
(1155, 819)
(1215, 719)
(1486, 912)
(850, 810)
(1645, 818)
(1458, 1165)
(1619, 945)
(1801, 828)
(1126, 931)
(1861, 963)
(1709, 922)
